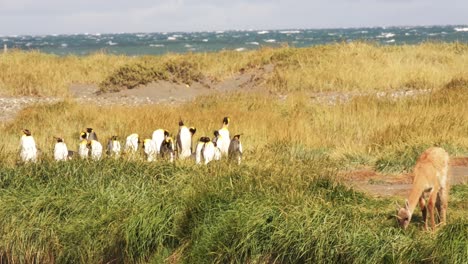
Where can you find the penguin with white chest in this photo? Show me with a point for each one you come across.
(167, 149)
(224, 139)
(209, 151)
(158, 138)
(60, 150)
(206, 151)
(96, 149)
(83, 150)
(131, 143)
(28, 150)
(199, 149)
(113, 147)
(150, 149)
(184, 140)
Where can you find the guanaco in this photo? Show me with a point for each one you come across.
(431, 179)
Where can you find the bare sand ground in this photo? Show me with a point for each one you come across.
(164, 92)
(382, 185)
(155, 93)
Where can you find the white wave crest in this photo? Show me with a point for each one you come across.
(263, 32)
(253, 43)
(386, 35)
(465, 29)
(290, 32)
(156, 45)
(270, 40)
(240, 49)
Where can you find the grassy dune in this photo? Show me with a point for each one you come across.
(284, 204)
(339, 67)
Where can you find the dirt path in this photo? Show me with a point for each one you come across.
(380, 185)
(10, 106)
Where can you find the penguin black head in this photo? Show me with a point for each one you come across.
(26, 132)
(192, 130)
(168, 143)
(236, 137)
(89, 130)
(59, 139)
(226, 120)
(181, 123)
(166, 133)
(205, 139)
(216, 133)
(114, 138)
(146, 142)
(83, 135)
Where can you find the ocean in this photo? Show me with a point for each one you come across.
(135, 44)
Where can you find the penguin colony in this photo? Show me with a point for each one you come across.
(159, 146)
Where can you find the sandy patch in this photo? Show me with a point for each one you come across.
(387, 185)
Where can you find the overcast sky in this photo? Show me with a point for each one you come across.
(112, 16)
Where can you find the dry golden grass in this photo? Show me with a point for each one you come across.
(339, 67)
(359, 132)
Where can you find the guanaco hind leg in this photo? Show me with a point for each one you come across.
(443, 201)
(431, 205)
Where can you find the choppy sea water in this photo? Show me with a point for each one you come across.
(182, 42)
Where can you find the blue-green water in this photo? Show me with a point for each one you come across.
(181, 42)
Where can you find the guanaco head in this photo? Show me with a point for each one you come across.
(404, 216)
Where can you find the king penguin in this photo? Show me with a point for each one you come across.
(131, 143)
(90, 134)
(167, 149)
(60, 150)
(199, 149)
(28, 152)
(96, 149)
(209, 151)
(224, 138)
(235, 149)
(83, 150)
(113, 147)
(184, 140)
(150, 149)
(158, 138)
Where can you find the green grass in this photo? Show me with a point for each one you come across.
(292, 212)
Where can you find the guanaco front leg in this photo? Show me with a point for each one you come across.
(422, 205)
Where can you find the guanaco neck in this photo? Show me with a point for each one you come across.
(414, 196)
